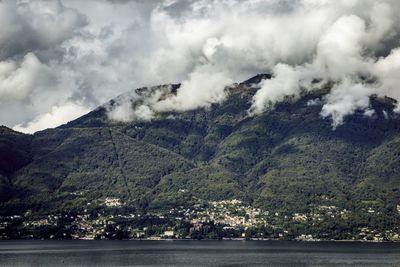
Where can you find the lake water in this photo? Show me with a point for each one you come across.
(197, 253)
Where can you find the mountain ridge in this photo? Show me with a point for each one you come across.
(286, 159)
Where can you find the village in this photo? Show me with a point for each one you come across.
(225, 219)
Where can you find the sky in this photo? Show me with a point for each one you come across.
(61, 59)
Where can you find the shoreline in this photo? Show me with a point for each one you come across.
(215, 240)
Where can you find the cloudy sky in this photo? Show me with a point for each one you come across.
(61, 59)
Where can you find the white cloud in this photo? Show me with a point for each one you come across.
(87, 52)
(346, 54)
(314, 102)
(344, 99)
(18, 80)
(286, 82)
(387, 70)
(204, 86)
(125, 112)
(57, 116)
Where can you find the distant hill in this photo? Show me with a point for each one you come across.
(286, 159)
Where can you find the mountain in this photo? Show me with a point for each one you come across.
(288, 159)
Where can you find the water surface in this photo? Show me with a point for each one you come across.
(197, 253)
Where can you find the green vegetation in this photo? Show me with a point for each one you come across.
(287, 160)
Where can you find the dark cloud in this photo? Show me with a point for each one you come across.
(36, 27)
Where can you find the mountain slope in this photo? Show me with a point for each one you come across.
(287, 159)
(14, 154)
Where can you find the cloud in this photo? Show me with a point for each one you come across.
(32, 77)
(203, 87)
(28, 87)
(286, 82)
(347, 55)
(19, 79)
(387, 71)
(136, 105)
(87, 52)
(35, 26)
(124, 112)
(314, 102)
(344, 99)
(57, 116)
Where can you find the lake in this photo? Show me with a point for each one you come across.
(197, 253)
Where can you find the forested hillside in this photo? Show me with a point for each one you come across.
(287, 159)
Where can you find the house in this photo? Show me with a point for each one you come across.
(169, 234)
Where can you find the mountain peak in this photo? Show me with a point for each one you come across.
(256, 79)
